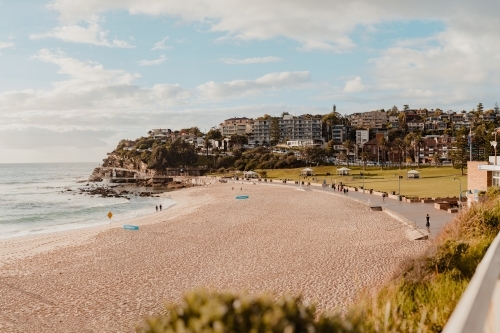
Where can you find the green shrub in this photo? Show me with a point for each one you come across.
(211, 312)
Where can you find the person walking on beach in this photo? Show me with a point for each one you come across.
(160, 207)
(427, 223)
(383, 197)
(157, 208)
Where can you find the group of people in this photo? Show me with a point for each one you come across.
(340, 188)
(157, 207)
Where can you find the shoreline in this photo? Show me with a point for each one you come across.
(29, 245)
(277, 241)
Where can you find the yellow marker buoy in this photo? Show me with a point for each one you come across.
(110, 215)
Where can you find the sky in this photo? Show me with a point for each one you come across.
(76, 76)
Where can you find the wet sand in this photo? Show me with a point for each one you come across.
(279, 240)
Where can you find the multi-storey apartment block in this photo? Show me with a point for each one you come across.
(300, 128)
(236, 126)
(371, 119)
(261, 131)
(292, 128)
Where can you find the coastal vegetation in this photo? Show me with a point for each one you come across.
(157, 155)
(419, 298)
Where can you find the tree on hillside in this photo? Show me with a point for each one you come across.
(330, 150)
(239, 139)
(459, 152)
(364, 158)
(314, 154)
(329, 120)
(348, 146)
(496, 108)
(213, 134)
(480, 108)
(275, 131)
(192, 130)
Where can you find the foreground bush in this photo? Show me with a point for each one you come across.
(424, 293)
(215, 312)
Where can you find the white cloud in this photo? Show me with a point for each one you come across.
(91, 87)
(256, 60)
(35, 137)
(452, 67)
(314, 24)
(241, 88)
(6, 45)
(354, 85)
(158, 61)
(90, 34)
(160, 45)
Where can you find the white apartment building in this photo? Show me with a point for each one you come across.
(362, 137)
(291, 129)
(236, 126)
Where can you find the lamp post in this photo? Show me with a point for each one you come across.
(470, 144)
(363, 174)
(494, 143)
(460, 194)
(399, 185)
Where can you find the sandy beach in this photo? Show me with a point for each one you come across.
(326, 247)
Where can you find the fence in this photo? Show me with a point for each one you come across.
(479, 307)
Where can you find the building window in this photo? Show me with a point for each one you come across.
(496, 178)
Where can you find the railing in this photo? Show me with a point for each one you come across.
(479, 307)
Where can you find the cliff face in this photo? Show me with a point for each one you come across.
(115, 160)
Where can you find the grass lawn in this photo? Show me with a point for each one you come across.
(433, 182)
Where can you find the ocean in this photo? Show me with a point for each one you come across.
(34, 200)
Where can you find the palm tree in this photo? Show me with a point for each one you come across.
(435, 159)
(348, 146)
(418, 142)
(364, 157)
(383, 145)
(400, 145)
(408, 142)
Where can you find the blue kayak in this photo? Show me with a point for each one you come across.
(242, 197)
(130, 227)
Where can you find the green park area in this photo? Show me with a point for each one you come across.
(433, 182)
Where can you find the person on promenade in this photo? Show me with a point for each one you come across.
(160, 207)
(427, 223)
(383, 196)
(157, 208)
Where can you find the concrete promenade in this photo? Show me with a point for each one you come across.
(413, 212)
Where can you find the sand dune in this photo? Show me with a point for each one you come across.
(279, 240)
